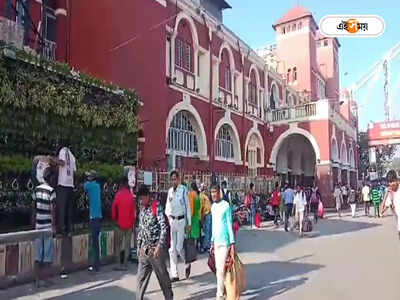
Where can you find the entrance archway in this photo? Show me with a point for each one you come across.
(296, 160)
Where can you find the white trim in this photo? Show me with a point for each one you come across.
(201, 134)
(237, 151)
(60, 11)
(287, 133)
(162, 2)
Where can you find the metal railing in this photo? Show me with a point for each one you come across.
(280, 114)
(49, 49)
(307, 110)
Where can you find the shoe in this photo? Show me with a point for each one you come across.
(64, 275)
(174, 279)
(187, 271)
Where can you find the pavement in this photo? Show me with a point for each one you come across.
(346, 259)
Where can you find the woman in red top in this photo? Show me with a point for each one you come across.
(275, 202)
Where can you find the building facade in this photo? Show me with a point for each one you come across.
(211, 103)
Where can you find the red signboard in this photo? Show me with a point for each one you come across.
(384, 133)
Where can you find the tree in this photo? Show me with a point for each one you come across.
(384, 156)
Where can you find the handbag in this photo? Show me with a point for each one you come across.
(190, 250)
(235, 279)
(211, 262)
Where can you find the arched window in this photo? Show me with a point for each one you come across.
(299, 26)
(184, 47)
(225, 74)
(335, 151)
(274, 97)
(352, 159)
(290, 101)
(289, 72)
(181, 136)
(294, 73)
(253, 88)
(224, 143)
(294, 27)
(343, 154)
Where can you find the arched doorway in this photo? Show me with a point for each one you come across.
(296, 160)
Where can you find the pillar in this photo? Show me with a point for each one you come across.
(62, 30)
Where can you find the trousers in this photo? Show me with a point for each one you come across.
(300, 217)
(220, 252)
(288, 213)
(158, 265)
(95, 225)
(124, 244)
(177, 238)
(207, 231)
(353, 209)
(64, 209)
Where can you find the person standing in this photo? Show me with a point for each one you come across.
(205, 217)
(252, 199)
(337, 195)
(376, 200)
(300, 202)
(152, 245)
(195, 206)
(275, 202)
(314, 202)
(394, 195)
(282, 206)
(92, 188)
(178, 211)
(124, 214)
(288, 197)
(366, 198)
(66, 171)
(344, 194)
(44, 218)
(223, 239)
(353, 202)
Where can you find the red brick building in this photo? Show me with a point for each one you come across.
(211, 103)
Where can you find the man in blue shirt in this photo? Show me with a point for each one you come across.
(288, 198)
(93, 190)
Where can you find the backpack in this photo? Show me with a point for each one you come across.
(154, 207)
(314, 198)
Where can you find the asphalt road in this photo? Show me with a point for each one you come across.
(341, 259)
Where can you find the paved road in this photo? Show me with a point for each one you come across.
(343, 259)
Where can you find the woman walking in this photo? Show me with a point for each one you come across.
(195, 206)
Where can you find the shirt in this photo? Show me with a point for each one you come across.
(288, 196)
(93, 190)
(44, 196)
(66, 172)
(178, 203)
(344, 191)
(152, 230)
(365, 193)
(124, 209)
(337, 194)
(222, 225)
(376, 196)
(300, 201)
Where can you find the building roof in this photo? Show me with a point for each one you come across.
(222, 4)
(295, 13)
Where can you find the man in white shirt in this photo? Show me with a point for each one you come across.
(366, 198)
(300, 203)
(177, 209)
(66, 163)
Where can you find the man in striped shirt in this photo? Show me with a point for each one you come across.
(376, 199)
(44, 219)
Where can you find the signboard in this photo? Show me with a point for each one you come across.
(384, 133)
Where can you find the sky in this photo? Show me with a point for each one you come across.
(252, 21)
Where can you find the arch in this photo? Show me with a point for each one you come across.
(196, 123)
(254, 131)
(343, 153)
(287, 133)
(274, 95)
(226, 46)
(334, 150)
(253, 68)
(236, 140)
(183, 16)
(352, 158)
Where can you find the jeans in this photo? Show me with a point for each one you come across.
(146, 266)
(289, 208)
(252, 214)
(276, 214)
(367, 204)
(207, 226)
(376, 208)
(95, 226)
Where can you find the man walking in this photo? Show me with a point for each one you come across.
(223, 240)
(93, 191)
(275, 202)
(353, 202)
(300, 202)
(314, 202)
(44, 219)
(152, 245)
(288, 197)
(337, 195)
(376, 199)
(124, 214)
(366, 198)
(179, 215)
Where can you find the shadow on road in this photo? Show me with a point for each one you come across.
(264, 280)
(104, 293)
